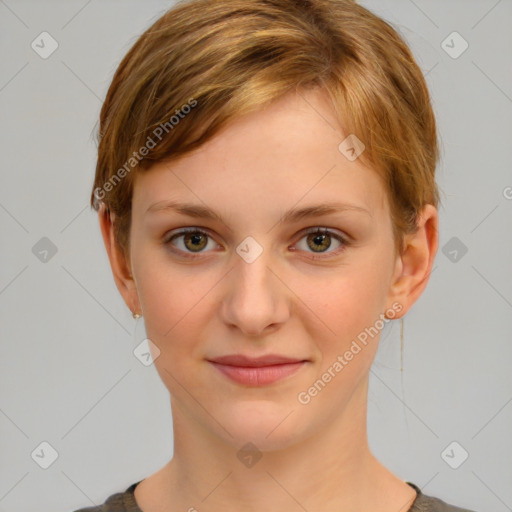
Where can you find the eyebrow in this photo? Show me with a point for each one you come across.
(293, 215)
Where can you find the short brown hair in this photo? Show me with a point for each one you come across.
(216, 60)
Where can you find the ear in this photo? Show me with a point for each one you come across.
(120, 265)
(414, 266)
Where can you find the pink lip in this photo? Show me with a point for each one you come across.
(257, 371)
(267, 360)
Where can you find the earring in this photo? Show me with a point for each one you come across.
(139, 329)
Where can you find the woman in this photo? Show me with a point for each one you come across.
(267, 198)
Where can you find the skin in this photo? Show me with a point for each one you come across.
(315, 456)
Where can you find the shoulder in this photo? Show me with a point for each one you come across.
(119, 502)
(424, 503)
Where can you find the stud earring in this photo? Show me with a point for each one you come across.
(136, 315)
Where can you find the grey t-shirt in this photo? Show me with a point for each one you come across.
(125, 502)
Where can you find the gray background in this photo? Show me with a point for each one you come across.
(67, 370)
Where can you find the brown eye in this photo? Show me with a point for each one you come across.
(320, 241)
(193, 240)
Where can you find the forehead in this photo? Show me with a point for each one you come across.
(282, 156)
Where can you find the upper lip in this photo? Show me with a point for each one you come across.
(267, 360)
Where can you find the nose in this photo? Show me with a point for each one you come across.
(255, 298)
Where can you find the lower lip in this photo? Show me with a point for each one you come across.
(258, 376)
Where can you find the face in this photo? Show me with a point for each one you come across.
(260, 281)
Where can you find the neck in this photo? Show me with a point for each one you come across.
(331, 470)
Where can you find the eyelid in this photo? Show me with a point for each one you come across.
(343, 239)
(332, 231)
(179, 232)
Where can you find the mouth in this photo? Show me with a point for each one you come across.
(260, 371)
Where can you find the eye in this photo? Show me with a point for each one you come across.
(320, 239)
(194, 241)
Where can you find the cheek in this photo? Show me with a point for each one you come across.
(176, 304)
(172, 315)
(348, 296)
(345, 305)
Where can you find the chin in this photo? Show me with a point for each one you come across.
(269, 426)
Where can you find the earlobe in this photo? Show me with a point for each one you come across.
(415, 264)
(118, 262)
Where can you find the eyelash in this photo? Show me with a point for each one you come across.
(317, 231)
